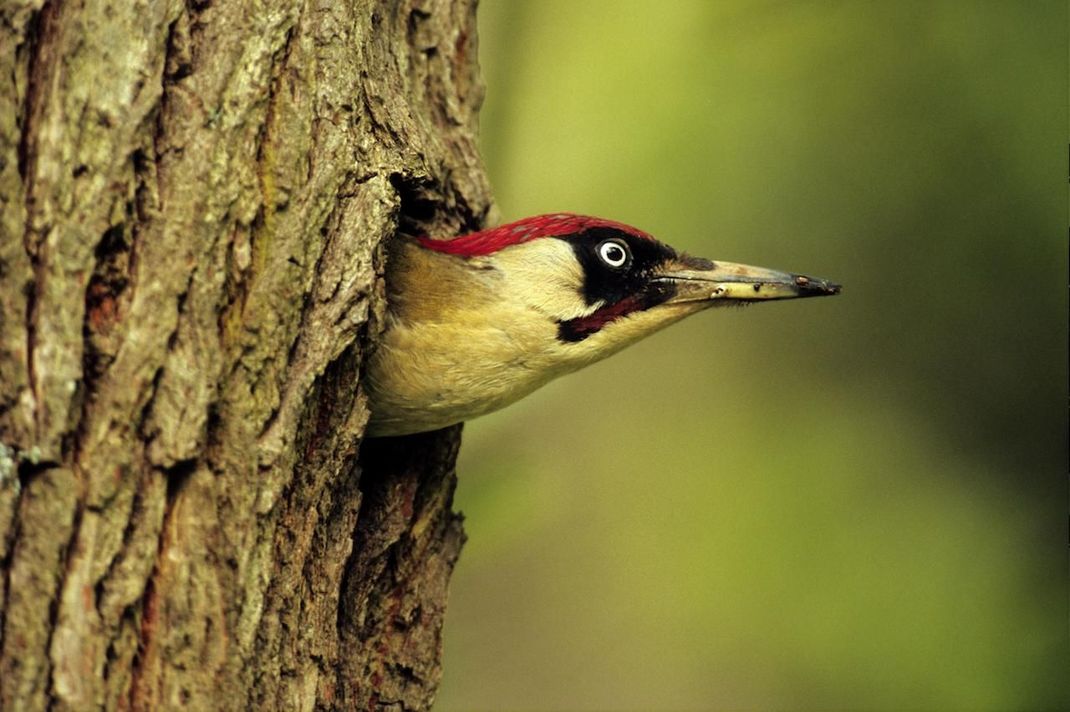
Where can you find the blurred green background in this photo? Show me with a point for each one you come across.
(851, 503)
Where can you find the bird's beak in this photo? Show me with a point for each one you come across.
(699, 280)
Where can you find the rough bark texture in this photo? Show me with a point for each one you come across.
(193, 198)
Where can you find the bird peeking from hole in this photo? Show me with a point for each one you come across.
(479, 321)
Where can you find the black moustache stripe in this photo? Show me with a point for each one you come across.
(579, 328)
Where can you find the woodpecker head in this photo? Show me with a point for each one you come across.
(479, 321)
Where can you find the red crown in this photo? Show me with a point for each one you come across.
(490, 241)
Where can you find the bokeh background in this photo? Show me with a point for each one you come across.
(852, 503)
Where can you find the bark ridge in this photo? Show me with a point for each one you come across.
(194, 198)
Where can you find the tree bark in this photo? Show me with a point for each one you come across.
(193, 200)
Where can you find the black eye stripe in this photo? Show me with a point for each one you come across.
(606, 283)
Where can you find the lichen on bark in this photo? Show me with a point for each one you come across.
(193, 202)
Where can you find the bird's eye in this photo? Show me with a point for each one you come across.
(614, 253)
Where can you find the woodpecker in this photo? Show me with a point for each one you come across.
(477, 322)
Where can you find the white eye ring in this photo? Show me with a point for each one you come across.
(614, 253)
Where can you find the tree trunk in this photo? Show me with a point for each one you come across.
(193, 199)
